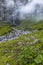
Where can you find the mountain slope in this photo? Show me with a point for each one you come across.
(25, 24)
(25, 50)
(5, 28)
(38, 25)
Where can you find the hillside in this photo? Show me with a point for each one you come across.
(5, 28)
(27, 49)
(25, 24)
(21, 32)
(38, 25)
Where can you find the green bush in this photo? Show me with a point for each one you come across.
(31, 55)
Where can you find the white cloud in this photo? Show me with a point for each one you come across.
(24, 9)
(29, 8)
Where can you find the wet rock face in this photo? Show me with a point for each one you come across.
(17, 21)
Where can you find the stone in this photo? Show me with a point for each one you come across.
(32, 37)
(20, 43)
(7, 63)
(27, 43)
(36, 41)
(4, 51)
(26, 38)
(9, 56)
(30, 43)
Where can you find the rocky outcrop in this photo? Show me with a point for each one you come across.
(13, 35)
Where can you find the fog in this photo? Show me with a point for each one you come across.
(24, 9)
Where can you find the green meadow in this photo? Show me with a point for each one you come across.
(27, 49)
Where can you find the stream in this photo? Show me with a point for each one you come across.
(13, 35)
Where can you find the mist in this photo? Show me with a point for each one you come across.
(23, 9)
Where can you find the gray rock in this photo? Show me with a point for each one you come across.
(26, 38)
(4, 51)
(20, 43)
(7, 63)
(9, 56)
(30, 43)
(32, 37)
(36, 41)
(27, 43)
(12, 35)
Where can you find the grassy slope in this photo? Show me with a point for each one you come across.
(5, 28)
(25, 24)
(38, 26)
(18, 52)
